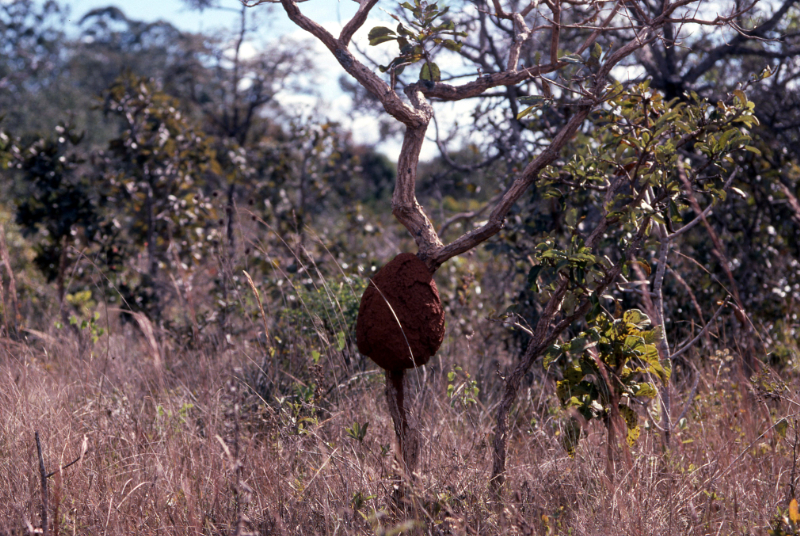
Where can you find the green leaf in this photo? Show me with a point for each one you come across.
(632, 422)
(340, 340)
(663, 371)
(402, 30)
(573, 375)
(578, 345)
(781, 427)
(450, 44)
(675, 214)
(531, 99)
(381, 34)
(526, 111)
(533, 274)
(551, 355)
(430, 71)
(647, 390)
(574, 59)
(636, 317)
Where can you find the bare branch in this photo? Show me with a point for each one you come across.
(461, 216)
(702, 333)
(726, 49)
(702, 216)
(365, 6)
(447, 92)
(555, 6)
(605, 24)
(519, 40)
(370, 81)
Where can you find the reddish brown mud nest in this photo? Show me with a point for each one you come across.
(409, 288)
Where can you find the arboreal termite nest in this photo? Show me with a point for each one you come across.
(401, 321)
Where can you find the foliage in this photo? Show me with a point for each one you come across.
(627, 169)
(615, 362)
(328, 310)
(156, 170)
(461, 388)
(421, 41)
(86, 320)
(60, 204)
(358, 431)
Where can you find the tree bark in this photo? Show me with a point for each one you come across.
(12, 287)
(407, 436)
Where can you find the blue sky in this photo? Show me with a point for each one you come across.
(177, 13)
(328, 101)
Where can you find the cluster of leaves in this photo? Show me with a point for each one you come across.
(628, 173)
(329, 310)
(161, 160)
(420, 41)
(155, 172)
(358, 431)
(461, 387)
(578, 64)
(786, 522)
(611, 364)
(637, 150)
(59, 203)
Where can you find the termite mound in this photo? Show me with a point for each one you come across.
(415, 320)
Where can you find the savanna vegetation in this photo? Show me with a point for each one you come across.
(611, 221)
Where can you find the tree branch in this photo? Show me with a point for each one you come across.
(702, 333)
(370, 81)
(365, 6)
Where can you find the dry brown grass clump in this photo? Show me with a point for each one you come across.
(200, 448)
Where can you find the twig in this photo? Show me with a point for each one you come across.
(84, 449)
(43, 480)
(260, 306)
(702, 332)
(702, 215)
(689, 399)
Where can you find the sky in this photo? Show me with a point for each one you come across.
(332, 14)
(179, 14)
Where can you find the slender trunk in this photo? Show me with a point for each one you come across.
(748, 361)
(62, 271)
(4, 305)
(659, 320)
(407, 436)
(43, 482)
(226, 259)
(151, 233)
(300, 215)
(231, 213)
(61, 285)
(12, 287)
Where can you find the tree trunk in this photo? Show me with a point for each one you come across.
(407, 436)
(12, 327)
(151, 233)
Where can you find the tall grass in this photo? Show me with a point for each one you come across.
(255, 433)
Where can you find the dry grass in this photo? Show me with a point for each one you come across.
(203, 453)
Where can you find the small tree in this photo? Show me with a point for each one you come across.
(158, 166)
(61, 205)
(636, 175)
